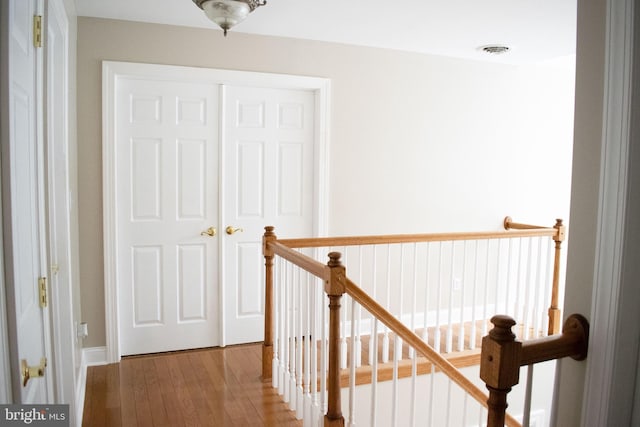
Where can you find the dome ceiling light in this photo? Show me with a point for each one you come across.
(227, 13)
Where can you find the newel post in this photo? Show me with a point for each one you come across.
(335, 288)
(267, 346)
(500, 367)
(555, 319)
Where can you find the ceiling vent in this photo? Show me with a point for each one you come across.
(494, 49)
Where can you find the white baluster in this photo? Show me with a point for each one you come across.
(449, 337)
(518, 284)
(412, 352)
(528, 286)
(373, 349)
(352, 365)
(323, 352)
(461, 327)
(385, 337)
(436, 336)
(548, 285)
(358, 316)
(538, 295)
(287, 359)
(474, 299)
(509, 281)
(526, 415)
(414, 379)
(425, 321)
(299, 349)
(432, 381)
(276, 322)
(448, 410)
(485, 313)
(343, 317)
(395, 395)
(283, 337)
(311, 343)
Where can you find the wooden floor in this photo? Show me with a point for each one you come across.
(210, 387)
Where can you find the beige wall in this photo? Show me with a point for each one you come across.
(418, 143)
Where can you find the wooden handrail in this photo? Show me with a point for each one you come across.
(502, 356)
(408, 336)
(414, 238)
(301, 260)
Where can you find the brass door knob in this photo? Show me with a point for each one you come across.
(211, 231)
(230, 230)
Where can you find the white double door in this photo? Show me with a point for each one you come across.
(191, 158)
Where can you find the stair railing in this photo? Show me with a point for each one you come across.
(332, 343)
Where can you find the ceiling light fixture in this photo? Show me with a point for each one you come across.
(227, 13)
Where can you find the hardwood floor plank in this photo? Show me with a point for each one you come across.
(187, 409)
(210, 387)
(113, 415)
(154, 393)
(127, 396)
(171, 405)
(98, 404)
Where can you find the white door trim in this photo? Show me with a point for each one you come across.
(5, 370)
(111, 72)
(63, 329)
(608, 305)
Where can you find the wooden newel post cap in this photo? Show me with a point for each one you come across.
(268, 230)
(501, 355)
(334, 259)
(501, 331)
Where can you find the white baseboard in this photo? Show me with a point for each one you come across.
(94, 356)
(81, 385)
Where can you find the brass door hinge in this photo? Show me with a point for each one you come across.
(37, 31)
(42, 292)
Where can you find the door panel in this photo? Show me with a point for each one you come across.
(166, 136)
(268, 180)
(22, 203)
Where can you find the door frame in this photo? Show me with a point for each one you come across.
(63, 328)
(112, 71)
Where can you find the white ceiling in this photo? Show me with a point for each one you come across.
(535, 30)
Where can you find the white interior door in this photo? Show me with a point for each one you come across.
(169, 178)
(167, 185)
(22, 208)
(268, 180)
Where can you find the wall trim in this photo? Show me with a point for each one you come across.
(597, 401)
(91, 356)
(111, 72)
(81, 386)
(94, 356)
